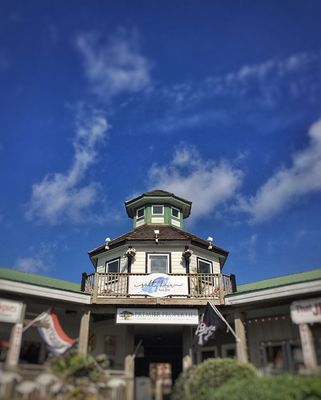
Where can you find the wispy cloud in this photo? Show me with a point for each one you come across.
(207, 183)
(60, 196)
(264, 78)
(114, 66)
(288, 184)
(40, 261)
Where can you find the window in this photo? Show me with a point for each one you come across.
(140, 213)
(158, 210)
(112, 266)
(207, 352)
(204, 266)
(175, 212)
(158, 263)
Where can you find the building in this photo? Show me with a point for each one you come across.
(149, 287)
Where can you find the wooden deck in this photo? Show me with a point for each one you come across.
(116, 288)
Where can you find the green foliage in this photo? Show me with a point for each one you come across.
(215, 372)
(71, 365)
(180, 390)
(281, 387)
(211, 373)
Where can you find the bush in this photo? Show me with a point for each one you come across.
(72, 366)
(281, 387)
(213, 373)
(180, 389)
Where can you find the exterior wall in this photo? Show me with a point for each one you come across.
(268, 327)
(122, 342)
(159, 219)
(139, 263)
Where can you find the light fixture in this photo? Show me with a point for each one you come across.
(210, 240)
(156, 231)
(107, 240)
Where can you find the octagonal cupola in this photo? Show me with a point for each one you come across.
(158, 207)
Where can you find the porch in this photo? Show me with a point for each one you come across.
(170, 289)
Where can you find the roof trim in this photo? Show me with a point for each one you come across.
(42, 291)
(289, 290)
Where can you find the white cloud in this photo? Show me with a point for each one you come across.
(63, 195)
(40, 261)
(206, 183)
(290, 184)
(115, 67)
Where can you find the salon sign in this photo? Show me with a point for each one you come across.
(10, 311)
(158, 285)
(306, 311)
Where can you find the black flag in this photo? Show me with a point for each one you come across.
(207, 327)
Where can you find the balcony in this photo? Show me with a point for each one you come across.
(151, 289)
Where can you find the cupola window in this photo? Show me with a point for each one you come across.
(140, 213)
(158, 210)
(175, 212)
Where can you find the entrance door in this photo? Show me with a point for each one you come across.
(159, 349)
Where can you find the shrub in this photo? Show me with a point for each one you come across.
(282, 387)
(180, 389)
(213, 373)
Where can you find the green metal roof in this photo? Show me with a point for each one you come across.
(301, 277)
(39, 280)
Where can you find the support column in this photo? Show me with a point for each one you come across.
(308, 348)
(241, 347)
(84, 334)
(187, 347)
(13, 354)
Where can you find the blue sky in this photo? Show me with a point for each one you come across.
(218, 102)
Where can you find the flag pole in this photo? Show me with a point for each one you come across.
(224, 320)
(38, 317)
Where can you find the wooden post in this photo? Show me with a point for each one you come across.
(130, 374)
(84, 334)
(241, 347)
(95, 290)
(12, 358)
(308, 348)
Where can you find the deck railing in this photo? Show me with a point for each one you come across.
(200, 286)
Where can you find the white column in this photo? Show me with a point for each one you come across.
(308, 348)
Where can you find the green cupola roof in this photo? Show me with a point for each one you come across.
(158, 207)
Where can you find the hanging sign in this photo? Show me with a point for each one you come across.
(157, 316)
(158, 285)
(10, 311)
(15, 346)
(306, 311)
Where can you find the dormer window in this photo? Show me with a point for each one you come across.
(158, 210)
(175, 213)
(140, 213)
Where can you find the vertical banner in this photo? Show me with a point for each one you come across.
(15, 346)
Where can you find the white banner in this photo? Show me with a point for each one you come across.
(157, 316)
(158, 285)
(306, 311)
(10, 311)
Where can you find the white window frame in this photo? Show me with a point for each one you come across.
(179, 213)
(157, 255)
(112, 261)
(206, 262)
(206, 349)
(157, 205)
(143, 216)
